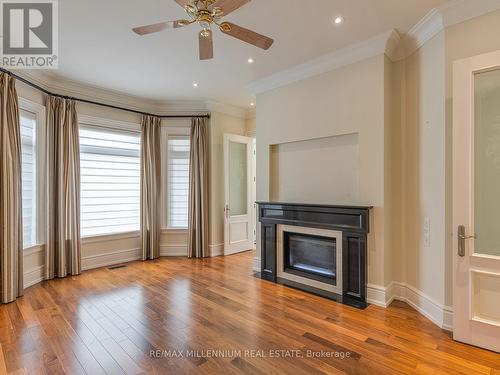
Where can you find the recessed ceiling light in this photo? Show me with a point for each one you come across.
(338, 20)
(252, 104)
(195, 84)
(250, 60)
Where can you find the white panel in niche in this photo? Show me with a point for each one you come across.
(485, 289)
(320, 170)
(238, 232)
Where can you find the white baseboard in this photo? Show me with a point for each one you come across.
(34, 276)
(182, 250)
(448, 318)
(109, 259)
(256, 264)
(439, 314)
(216, 250)
(376, 295)
(173, 251)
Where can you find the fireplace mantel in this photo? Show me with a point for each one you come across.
(352, 221)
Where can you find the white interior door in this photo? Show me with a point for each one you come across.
(238, 192)
(476, 201)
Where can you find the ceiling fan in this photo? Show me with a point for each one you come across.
(206, 13)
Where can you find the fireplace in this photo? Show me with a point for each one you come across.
(320, 249)
(310, 256)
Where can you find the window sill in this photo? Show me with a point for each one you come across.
(33, 250)
(174, 230)
(110, 237)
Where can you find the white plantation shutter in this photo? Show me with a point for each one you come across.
(110, 181)
(178, 181)
(29, 193)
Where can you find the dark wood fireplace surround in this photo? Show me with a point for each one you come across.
(352, 221)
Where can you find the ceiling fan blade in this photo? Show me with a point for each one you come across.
(206, 45)
(246, 35)
(182, 3)
(157, 27)
(229, 6)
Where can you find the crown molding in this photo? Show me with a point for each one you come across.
(446, 15)
(50, 81)
(425, 29)
(394, 47)
(231, 110)
(41, 78)
(334, 60)
(180, 107)
(457, 11)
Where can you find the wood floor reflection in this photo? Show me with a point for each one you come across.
(175, 316)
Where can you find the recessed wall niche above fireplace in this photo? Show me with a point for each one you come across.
(317, 248)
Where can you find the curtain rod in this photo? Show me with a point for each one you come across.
(39, 88)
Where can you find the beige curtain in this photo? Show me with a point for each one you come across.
(150, 187)
(198, 190)
(63, 244)
(11, 221)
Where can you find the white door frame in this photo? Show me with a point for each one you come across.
(254, 193)
(240, 224)
(468, 326)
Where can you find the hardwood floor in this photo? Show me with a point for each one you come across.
(175, 316)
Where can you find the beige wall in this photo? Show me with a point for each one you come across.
(424, 170)
(394, 254)
(220, 124)
(251, 126)
(344, 101)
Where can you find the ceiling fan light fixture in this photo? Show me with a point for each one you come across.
(205, 33)
(205, 13)
(204, 24)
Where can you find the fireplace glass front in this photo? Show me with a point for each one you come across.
(310, 256)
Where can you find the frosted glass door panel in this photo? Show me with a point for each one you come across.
(238, 180)
(487, 163)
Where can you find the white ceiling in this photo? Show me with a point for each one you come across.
(97, 46)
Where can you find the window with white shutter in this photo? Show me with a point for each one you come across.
(177, 181)
(29, 177)
(110, 181)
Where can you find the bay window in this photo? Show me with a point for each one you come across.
(178, 148)
(110, 181)
(29, 177)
